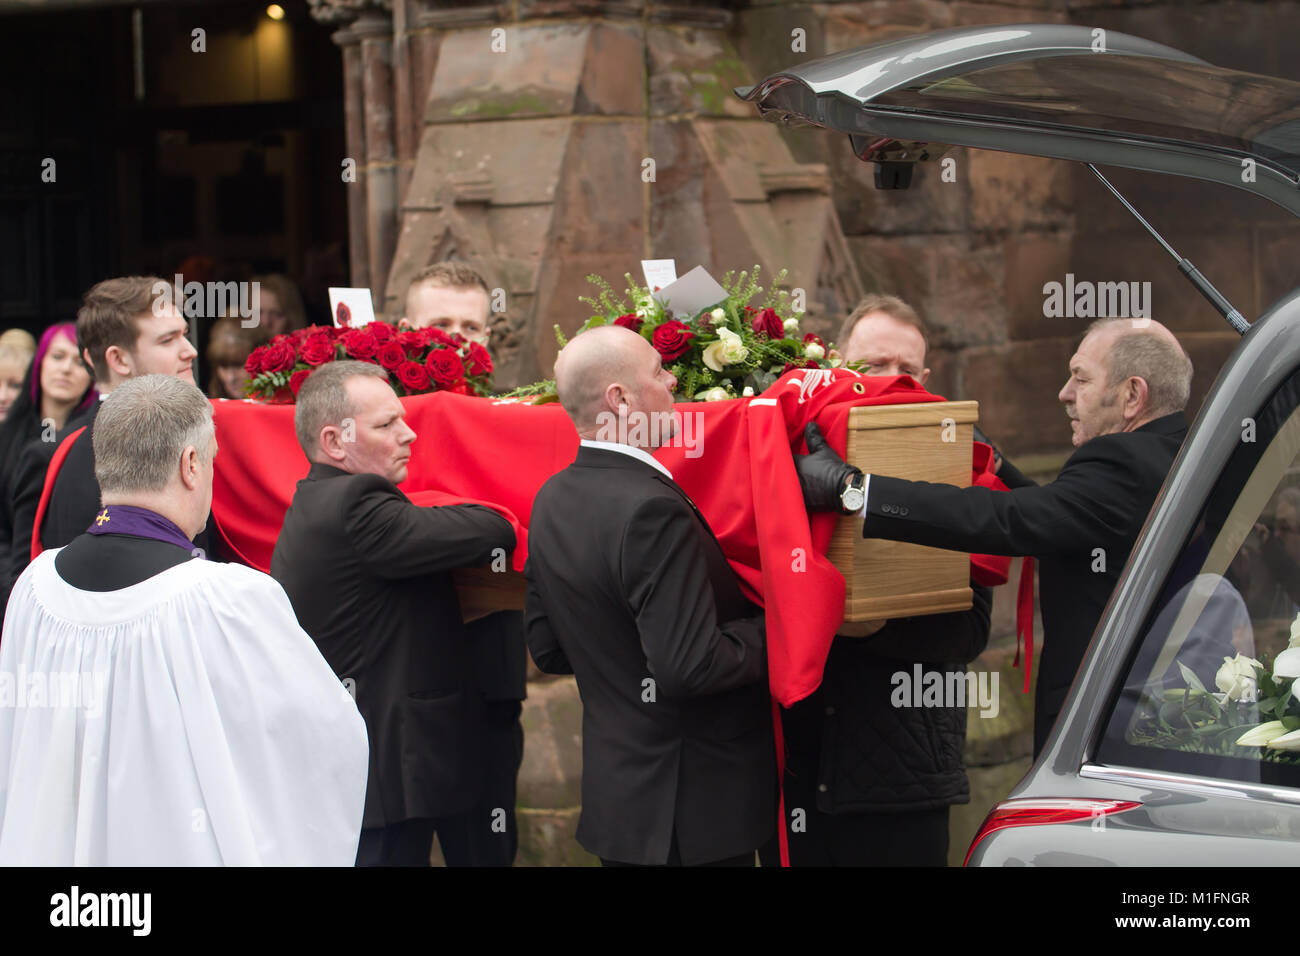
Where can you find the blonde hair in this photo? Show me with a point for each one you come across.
(17, 346)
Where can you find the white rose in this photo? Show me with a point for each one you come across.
(748, 392)
(1236, 678)
(1261, 735)
(718, 315)
(728, 350)
(814, 351)
(836, 359)
(715, 394)
(1295, 633)
(1287, 664)
(791, 325)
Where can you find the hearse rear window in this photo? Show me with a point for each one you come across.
(1210, 690)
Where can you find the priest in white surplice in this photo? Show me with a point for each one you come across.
(157, 708)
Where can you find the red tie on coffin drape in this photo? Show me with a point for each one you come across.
(1025, 618)
(732, 458)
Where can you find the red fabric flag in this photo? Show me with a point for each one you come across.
(733, 459)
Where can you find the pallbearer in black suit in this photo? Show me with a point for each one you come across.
(369, 575)
(629, 590)
(1129, 383)
(454, 298)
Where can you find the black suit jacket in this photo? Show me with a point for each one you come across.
(1080, 527)
(368, 574)
(629, 590)
(75, 495)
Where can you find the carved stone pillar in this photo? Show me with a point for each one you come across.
(559, 138)
(355, 137)
(376, 33)
(365, 38)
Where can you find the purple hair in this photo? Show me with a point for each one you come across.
(69, 330)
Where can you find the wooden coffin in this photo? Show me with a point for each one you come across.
(884, 579)
(483, 591)
(927, 442)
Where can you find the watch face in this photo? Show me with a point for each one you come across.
(852, 499)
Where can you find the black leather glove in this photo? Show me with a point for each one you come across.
(822, 473)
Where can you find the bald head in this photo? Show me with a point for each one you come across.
(610, 370)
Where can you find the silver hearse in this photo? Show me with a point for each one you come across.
(1180, 741)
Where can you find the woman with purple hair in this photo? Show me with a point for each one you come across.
(57, 386)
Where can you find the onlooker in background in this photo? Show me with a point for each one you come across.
(125, 327)
(57, 383)
(229, 345)
(279, 305)
(876, 779)
(450, 296)
(16, 350)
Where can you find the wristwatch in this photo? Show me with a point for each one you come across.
(852, 498)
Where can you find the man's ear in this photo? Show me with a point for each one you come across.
(404, 324)
(191, 467)
(1135, 395)
(615, 397)
(118, 361)
(925, 375)
(331, 443)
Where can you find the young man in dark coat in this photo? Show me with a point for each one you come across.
(126, 327)
(369, 576)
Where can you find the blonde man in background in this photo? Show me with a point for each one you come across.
(16, 350)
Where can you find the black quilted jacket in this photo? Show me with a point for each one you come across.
(868, 756)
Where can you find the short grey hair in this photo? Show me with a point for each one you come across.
(1158, 360)
(892, 306)
(323, 399)
(143, 427)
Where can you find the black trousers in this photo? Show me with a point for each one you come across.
(487, 834)
(675, 859)
(398, 844)
(917, 838)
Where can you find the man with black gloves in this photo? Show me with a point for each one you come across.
(1129, 382)
(874, 774)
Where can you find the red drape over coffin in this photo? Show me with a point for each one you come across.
(733, 458)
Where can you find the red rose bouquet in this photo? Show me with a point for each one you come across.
(427, 360)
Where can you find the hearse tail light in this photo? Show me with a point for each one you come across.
(1036, 812)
